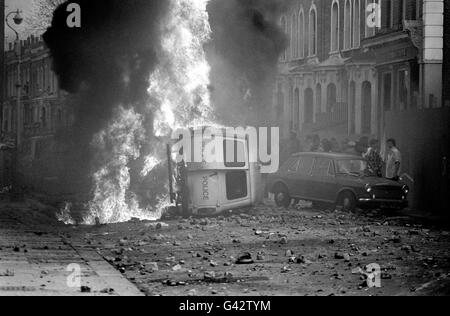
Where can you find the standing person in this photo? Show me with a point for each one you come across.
(393, 161)
(374, 159)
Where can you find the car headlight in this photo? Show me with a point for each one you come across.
(405, 189)
(368, 188)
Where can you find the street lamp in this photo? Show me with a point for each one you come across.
(18, 19)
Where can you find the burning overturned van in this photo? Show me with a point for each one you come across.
(215, 171)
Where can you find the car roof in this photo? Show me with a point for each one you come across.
(328, 155)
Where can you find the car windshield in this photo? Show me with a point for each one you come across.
(352, 167)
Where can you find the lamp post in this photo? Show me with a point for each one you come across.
(18, 19)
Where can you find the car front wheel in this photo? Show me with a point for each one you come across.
(282, 198)
(347, 201)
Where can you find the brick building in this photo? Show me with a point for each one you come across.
(44, 112)
(372, 68)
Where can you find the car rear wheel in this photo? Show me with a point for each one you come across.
(347, 201)
(282, 197)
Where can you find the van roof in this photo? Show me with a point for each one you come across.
(328, 155)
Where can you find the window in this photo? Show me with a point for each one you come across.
(309, 106)
(293, 167)
(236, 183)
(318, 98)
(305, 165)
(294, 36)
(387, 13)
(356, 23)
(403, 89)
(387, 91)
(331, 97)
(296, 113)
(301, 34)
(291, 164)
(313, 31)
(352, 166)
(323, 167)
(335, 26)
(348, 25)
(283, 25)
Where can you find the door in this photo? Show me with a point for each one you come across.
(303, 176)
(323, 181)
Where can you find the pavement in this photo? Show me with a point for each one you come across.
(36, 261)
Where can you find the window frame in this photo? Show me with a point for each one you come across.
(335, 33)
(348, 22)
(301, 33)
(330, 165)
(312, 52)
(310, 170)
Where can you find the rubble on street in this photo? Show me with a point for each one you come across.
(272, 251)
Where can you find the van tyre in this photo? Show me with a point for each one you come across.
(282, 197)
(347, 201)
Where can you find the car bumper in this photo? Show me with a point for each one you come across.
(381, 203)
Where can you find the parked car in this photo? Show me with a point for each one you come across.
(341, 179)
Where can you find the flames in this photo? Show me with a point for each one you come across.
(180, 98)
(180, 83)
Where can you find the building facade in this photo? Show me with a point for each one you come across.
(43, 113)
(373, 69)
(349, 61)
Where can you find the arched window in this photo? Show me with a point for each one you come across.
(296, 109)
(335, 26)
(356, 23)
(312, 31)
(294, 36)
(309, 106)
(301, 34)
(318, 98)
(283, 25)
(348, 25)
(331, 97)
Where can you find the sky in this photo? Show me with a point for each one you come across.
(12, 5)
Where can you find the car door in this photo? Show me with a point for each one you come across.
(303, 176)
(323, 181)
(291, 175)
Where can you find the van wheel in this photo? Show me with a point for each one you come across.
(347, 201)
(282, 198)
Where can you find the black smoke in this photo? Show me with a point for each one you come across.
(105, 63)
(244, 51)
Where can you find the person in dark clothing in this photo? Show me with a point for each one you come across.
(374, 158)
